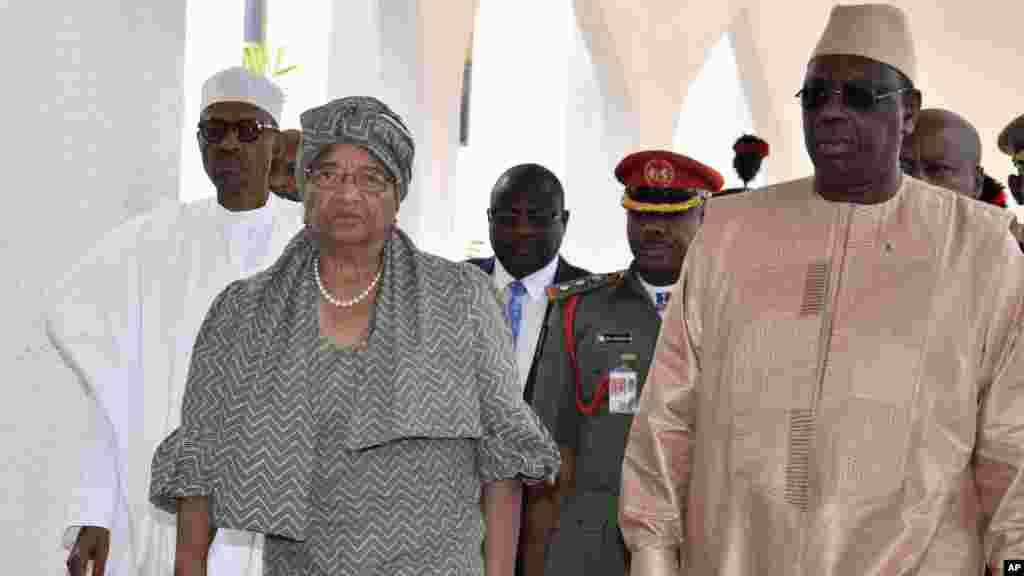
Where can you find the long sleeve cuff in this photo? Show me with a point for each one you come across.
(655, 562)
(178, 472)
(70, 536)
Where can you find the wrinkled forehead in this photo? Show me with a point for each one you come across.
(532, 195)
(347, 156)
(850, 68)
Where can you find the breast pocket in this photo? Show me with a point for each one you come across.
(602, 345)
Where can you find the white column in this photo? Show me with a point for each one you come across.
(443, 38)
(595, 142)
(519, 100)
(256, 21)
(631, 67)
(93, 94)
(715, 113)
(409, 54)
(354, 55)
(399, 88)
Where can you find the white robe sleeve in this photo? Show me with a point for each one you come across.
(93, 323)
(95, 496)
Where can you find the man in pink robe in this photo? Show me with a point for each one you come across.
(841, 360)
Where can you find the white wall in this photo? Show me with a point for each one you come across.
(409, 53)
(519, 99)
(596, 236)
(92, 95)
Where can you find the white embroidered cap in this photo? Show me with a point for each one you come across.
(239, 85)
(876, 31)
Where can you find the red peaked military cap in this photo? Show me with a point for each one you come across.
(663, 181)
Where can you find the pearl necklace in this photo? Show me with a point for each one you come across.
(342, 303)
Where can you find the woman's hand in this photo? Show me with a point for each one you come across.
(194, 536)
(502, 509)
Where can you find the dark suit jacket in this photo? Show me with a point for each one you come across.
(537, 517)
(564, 273)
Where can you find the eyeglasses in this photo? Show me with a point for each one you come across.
(536, 218)
(856, 96)
(369, 181)
(214, 130)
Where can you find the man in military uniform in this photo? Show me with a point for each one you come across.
(598, 350)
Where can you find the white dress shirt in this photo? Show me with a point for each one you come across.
(653, 291)
(534, 306)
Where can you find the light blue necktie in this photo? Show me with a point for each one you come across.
(514, 308)
(661, 301)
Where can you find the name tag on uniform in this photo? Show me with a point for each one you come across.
(622, 397)
(615, 338)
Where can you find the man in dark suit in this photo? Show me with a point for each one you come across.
(527, 223)
(528, 218)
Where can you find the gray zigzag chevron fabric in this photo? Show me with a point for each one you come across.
(363, 455)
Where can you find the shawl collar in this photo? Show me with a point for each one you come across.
(254, 449)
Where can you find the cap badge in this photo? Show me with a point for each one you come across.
(659, 173)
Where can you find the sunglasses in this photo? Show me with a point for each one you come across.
(214, 130)
(854, 95)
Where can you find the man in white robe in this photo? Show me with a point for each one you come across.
(130, 311)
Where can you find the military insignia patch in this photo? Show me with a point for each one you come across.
(615, 338)
(659, 173)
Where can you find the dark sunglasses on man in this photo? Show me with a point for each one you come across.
(855, 95)
(214, 130)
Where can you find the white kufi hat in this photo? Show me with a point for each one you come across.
(239, 85)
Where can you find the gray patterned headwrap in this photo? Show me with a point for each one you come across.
(363, 121)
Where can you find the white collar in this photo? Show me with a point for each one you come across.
(535, 283)
(653, 290)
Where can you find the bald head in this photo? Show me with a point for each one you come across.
(944, 150)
